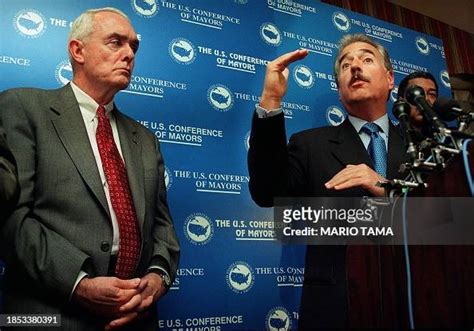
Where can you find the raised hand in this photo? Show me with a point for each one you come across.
(276, 78)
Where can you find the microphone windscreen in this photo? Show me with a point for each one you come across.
(444, 108)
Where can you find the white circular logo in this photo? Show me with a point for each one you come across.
(444, 76)
(145, 8)
(341, 21)
(182, 51)
(270, 34)
(394, 94)
(168, 178)
(278, 319)
(335, 116)
(198, 229)
(247, 140)
(63, 72)
(303, 76)
(220, 97)
(422, 45)
(29, 23)
(240, 277)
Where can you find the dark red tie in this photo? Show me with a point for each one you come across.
(120, 196)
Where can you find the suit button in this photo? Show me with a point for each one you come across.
(105, 246)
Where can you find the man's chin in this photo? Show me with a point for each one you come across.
(122, 85)
(418, 120)
(357, 98)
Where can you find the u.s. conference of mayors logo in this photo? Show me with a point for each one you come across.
(145, 8)
(168, 178)
(335, 116)
(303, 76)
(422, 45)
(278, 319)
(29, 23)
(63, 72)
(220, 97)
(444, 76)
(341, 21)
(270, 34)
(240, 277)
(182, 51)
(198, 229)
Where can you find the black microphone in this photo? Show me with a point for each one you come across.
(401, 110)
(415, 95)
(449, 109)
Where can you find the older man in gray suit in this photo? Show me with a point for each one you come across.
(91, 238)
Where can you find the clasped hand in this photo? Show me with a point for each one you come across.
(121, 300)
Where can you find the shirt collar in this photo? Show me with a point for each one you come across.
(382, 122)
(88, 105)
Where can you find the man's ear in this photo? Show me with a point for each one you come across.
(390, 79)
(76, 50)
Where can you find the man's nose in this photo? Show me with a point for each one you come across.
(129, 53)
(356, 65)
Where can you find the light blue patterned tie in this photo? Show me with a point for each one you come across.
(376, 149)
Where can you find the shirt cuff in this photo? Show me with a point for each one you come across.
(264, 113)
(155, 267)
(82, 274)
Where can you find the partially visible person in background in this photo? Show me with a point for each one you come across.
(427, 82)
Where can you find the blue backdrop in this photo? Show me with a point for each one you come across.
(198, 75)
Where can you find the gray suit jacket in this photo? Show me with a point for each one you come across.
(9, 189)
(62, 223)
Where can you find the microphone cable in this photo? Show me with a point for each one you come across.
(467, 168)
(407, 263)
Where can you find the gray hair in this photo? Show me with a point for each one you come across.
(83, 25)
(349, 39)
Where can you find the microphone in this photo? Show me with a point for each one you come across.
(401, 110)
(449, 109)
(415, 95)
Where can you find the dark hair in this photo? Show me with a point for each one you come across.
(415, 74)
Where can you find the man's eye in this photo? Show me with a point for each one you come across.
(368, 60)
(116, 42)
(344, 66)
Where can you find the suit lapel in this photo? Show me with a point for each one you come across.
(347, 146)
(69, 126)
(396, 152)
(132, 154)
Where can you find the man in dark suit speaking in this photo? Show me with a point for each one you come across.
(92, 238)
(345, 161)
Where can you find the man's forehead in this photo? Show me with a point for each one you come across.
(358, 47)
(111, 18)
(422, 81)
(109, 21)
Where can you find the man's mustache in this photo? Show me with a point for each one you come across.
(358, 76)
